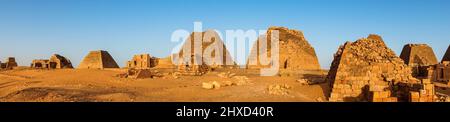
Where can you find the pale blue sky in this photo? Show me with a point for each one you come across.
(34, 29)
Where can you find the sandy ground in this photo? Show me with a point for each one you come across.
(92, 85)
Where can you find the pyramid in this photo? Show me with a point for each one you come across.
(9, 64)
(98, 60)
(56, 61)
(295, 53)
(207, 42)
(365, 68)
(418, 55)
(59, 62)
(446, 55)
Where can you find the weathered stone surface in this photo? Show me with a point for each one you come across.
(211, 85)
(210, 44)
(207, 85)
(59, 62)
(303, 81)
(193, 69)
(439, 72)
(140, 73)
(242, 80)
(201, 52)
(98, 60)
(9, 64)
(40, 64)
(278, 89)
(418, 54)
(56, 61)
(142, 61)
(226, 74)
(426, 93)
(295, 53)
(382, 96)
(365, 67)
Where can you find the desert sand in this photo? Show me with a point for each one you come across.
(94, 85)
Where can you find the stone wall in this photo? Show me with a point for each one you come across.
(55, 62)
(40, 64)
(9, 64)
(141, 61)
(439, 72)
(366, 68)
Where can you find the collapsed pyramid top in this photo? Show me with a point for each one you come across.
(61, 61)
(295, 53)
(418, 54)
(364, 66)
(98, 60)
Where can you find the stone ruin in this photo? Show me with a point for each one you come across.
(419, 57)
(367, 70)
(55, 62)
(210, 42)
(140, 73)
(142, 61)
(436, 72)
(446, 55)
(98, 60)
(295, 53)
(186, 68)
(40, 64)
(9, 64)
(441, 72)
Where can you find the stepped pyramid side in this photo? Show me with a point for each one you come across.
(98, 60)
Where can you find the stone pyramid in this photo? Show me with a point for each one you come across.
(207, 42)
(418, 55)
(60, 62)
(98, 60)
(446, 55)
(364, 67)
(295, 53)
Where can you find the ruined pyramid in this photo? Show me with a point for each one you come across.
(60, 62)
(418, 55)
(365, 67)
(98, 60)
(210, 41)
(446, 55)
(295, 53)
